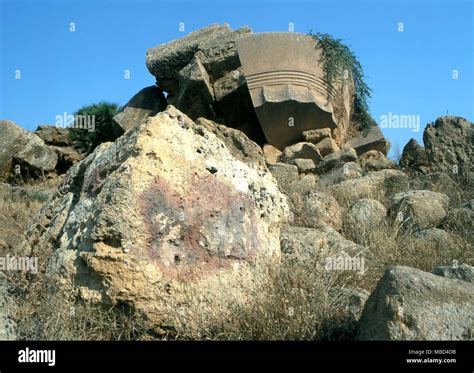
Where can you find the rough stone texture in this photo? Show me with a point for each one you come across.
(365, 214)
(196, 93)
(285, 175)
(317, 135)
(347, 171)
(371, 139)
(238, 144)
(67, 157)
(146, 103)
(374, 160)
(165, 210)
(450, 143)
(202, 75)
(304, 150)
(309, 207)
(327, 146)
(375, 185)
(436, 182)
(7, 325)
(414, 156)
(318, 209)
(420, 209)
(336, 159)
(461, 220)
(351, 299)
(437, 238)
(303, 243)
(409, 304)
(304, 165)
(462, 272)
(18, 147)
(271, 154)
(55, 136)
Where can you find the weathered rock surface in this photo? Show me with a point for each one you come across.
(165, 210)
(409, 304)
(304, 165)
(461, 220)
(303, 243)
(414, 156)
(374, 160)
(316, 135)
(420, 209)
(238, 143)
(55, 136)
(26, 150)
(351, 299)
(336, 159)
(318, 209)
(327, 146)
(448, 147)
(350, 170)
(7, 325)
(146, 103)
(436, 238)
(271, 154)
(449, 144)
(304, 150)
(462, 272)
(202, 76)
(365, 214)
(375, 185)
(371, 139)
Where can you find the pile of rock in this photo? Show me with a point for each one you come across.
(46, 151)
(193, 197)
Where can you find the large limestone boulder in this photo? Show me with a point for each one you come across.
(420, 209)
(449, 144)
(409, 304)
(26, 150)
(166, 211)
(146, 103)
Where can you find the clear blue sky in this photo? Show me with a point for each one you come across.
(411, 72)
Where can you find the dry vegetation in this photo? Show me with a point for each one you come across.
(292, 303)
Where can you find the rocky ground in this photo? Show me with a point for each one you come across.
(185, 228)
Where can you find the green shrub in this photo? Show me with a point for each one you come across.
(87, 138)
(340, 63)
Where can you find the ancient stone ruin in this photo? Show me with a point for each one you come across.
(234, 190)
(270, 86)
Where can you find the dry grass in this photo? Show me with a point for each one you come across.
(292, 301)
(390, 244)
